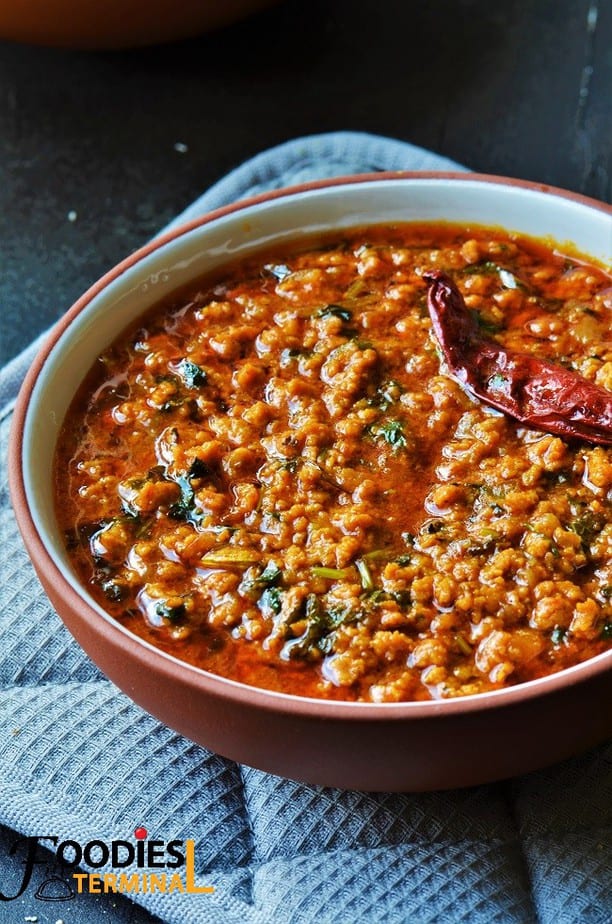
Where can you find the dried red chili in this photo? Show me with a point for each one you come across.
(534, 391)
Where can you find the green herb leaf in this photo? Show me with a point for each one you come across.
(192, 375)
(172, 612)
(392, 432)
(198, 469)
(270, 601)
(588, 525)
(484, 267)
(336, 311)
(270, 575)
(114, 590)
(321, 625)
(386, 395)
(558, 634)
(488, 267)
(184, 509)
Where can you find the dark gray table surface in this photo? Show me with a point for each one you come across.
(520, 88)
(100, 149)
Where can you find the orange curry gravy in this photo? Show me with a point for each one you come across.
(273, 478)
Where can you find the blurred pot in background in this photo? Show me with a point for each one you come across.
(107, 24)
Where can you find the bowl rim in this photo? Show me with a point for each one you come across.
(198, 678)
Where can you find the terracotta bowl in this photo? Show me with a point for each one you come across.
(390, 746)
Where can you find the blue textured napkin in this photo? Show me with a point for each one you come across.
(78, 759)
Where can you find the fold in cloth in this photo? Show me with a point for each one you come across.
(81, 761)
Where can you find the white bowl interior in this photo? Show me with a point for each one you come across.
(194, 253)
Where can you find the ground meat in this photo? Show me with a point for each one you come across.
(273, 478)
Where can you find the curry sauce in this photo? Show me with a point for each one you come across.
(274, 477)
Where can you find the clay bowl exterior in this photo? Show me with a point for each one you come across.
(368, 746)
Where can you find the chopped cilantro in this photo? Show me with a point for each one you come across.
(336, 311)
(588, 525)
(270, 575)
(198, 469)
(318, 635)
(392, 432)
(114, 590)
(185, 508)
(433, 527)
(558, 634)
(485, 267)
(385, 395)
(488, 267)
(270, 600)
(192, 375)
(173, 612)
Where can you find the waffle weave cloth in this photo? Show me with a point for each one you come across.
(80, 760)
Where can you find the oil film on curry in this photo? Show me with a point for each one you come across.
(375, 468)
